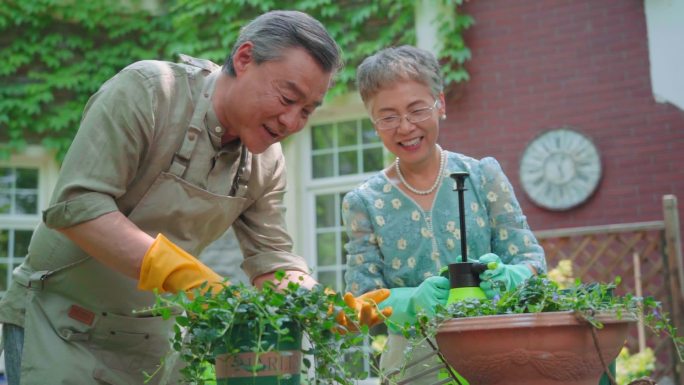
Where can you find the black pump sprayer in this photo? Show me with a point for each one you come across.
(464, 276)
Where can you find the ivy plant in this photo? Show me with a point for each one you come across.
(57, 53)
(241, 318)
(539, 294)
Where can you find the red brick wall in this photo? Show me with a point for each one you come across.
(539, 65)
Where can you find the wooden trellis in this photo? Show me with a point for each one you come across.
(600, 253)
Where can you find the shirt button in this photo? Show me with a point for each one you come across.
(218, 129)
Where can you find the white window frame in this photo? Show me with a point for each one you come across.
(35, 157)
(303, 188)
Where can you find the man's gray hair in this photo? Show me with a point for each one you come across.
(275, 31)
(391, 65)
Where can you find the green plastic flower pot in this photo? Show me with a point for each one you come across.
(279, 365)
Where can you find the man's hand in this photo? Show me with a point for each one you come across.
(366, 308)
(168, 268)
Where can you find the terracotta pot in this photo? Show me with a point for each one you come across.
(531, 349)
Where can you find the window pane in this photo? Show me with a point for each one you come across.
(346, 133)
(327, 279)
(322, 136)
(325, 245)
(349, 164)
(323, 166)
(4, 243)
(6, 178)
(27, 203)
(21, 242)
(27, 178)
(368, 132)
(325, 210)
(372, 159)
(5, 203)
(4, 276)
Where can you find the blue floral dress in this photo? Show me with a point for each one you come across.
(393, 242)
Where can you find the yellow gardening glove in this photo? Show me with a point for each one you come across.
(366, 307)
(169, 268)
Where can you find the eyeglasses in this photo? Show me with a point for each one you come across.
(416, 116)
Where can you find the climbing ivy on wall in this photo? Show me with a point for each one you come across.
(56, 53)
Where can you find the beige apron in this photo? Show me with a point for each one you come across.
(80, 314)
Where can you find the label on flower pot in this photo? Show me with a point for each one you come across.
(269, 364)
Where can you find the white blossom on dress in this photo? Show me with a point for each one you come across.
(401, 244)
(411, 262)
(480, 222)
(512, 249)
(379, 204)
(503, 234)
(508, 207)
(415, 215)
(380, 220)
(387, 187)
(474, 206)
(492, 196)
(450, 243)
(451, 226)
(396, 203)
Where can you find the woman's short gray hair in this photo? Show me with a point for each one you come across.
(275, 31)
(394, 64)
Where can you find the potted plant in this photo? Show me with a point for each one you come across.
(267, 336)
(539, 333)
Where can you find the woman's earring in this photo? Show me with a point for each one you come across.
(443, 117)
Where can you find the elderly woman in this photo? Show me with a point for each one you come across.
(403, 222)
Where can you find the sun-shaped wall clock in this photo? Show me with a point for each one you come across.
(560, 169)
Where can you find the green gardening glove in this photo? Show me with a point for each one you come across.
(510, 275)
(407, 302)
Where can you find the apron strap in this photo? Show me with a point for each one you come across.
(181, 158)
(244, 170)
(36, 279)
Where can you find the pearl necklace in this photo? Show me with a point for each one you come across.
(440, 175)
